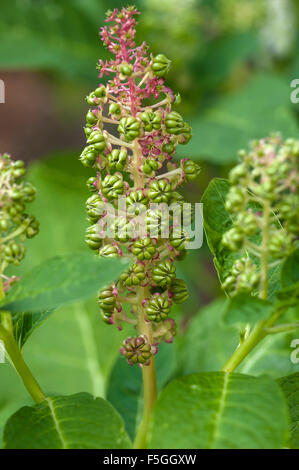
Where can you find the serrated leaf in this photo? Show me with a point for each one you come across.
(68, 422)
(235, 121)
(245, 309)
(290, 388)
(220, 411)
(217, 221)
(60, 280)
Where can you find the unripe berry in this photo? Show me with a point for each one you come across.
(160, 65)
(133, 276)
(138, 350)
(129, 128)
(179, 291)
(144, 249)
(93, 237)
(112, 186)
(174, 123)
(98, 140)
(160, 191)
(109, 251)
(157, 308)
(117, 159)
(233, 239)
(164, 273)
(107, 299)
(151, 120)
(191, 170)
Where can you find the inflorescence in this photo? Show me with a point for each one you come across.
(136, 163)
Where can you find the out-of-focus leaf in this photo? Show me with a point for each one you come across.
(290, 270)
(25, 323)
(220, 411)
(262, 107)
(246, 309)
(61, 280)
(290, 388)
(125, 385)
(208, 343)
(67, 422)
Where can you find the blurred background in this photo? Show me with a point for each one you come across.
(232, 62)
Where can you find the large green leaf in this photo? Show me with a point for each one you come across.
(66, 422)
(220, 411)
(261, 107)
(25, 323)
(217, 221)
(290, 387)
(60, 280)
(290, 270)
(245, 309)
(208, 343)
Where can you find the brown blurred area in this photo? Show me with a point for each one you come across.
(32, 123)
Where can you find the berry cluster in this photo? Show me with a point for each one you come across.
(15, 224)
(129, 164)
(263, 201)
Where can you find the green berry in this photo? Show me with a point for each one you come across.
(179, 291)
(137, 350)
(144, 249)
(160, 65)
(129, 128)
(107, 299)
(164, 273)
(98, 140)
(117, 159)
(157, 308)
(160, 191)
(174, 123)
(112, 186)
(133, 276)
(151, 120)
(191, 170)
(93, 237)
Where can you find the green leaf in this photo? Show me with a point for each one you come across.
(235, 121)
(220, 411)
(67, 422)
(217, 221)
(25, 323)
(125, 385)
(290, 388)
(290, 270)
(245, 309)
(209, 342)
(60, 280)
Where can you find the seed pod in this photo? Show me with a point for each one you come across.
(98, 140)
(112, 186)
(247, 223)
(117, 159)
(133, 276)
(136, 202)
(174, 123)
(179, 243)
(32, 227)
(129, 128)
(115, 110)
(107, 299)
(126, 69)
(235, 199)
(14, 252)
(280, 244)
(122, 229)
(88, 156)
(151, 120)
(157, 308)
(94, 208)
(233, 239)
(91, 183)
(164, 273)
(238, 173)
(185, 134)
(156, 222)
(91, 118)
(150, 166)
(160, 191)
(93, 237)
(191, 170)
(168, 148)
(160, 65)
(109, 251)
(144, 249)
(179, 291)
(138, 350)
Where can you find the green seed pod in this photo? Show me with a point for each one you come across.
(14, 252)
(247, 223)
(156, 222)
(94, 208)
(109, 251)
(235, 199)
(112, 186)
(168, 148)
(238, 173)
(280, 243)
(133, 276)
(164, 273)
(233, 239)
(88, 156)
(191, 170)
(150, 166)
(91, 118)
(91, 183)
(179, 291)
(28, 193)
(179, 243)
(129, 128)
(136, 202)
(185, 134)
(160, 191)
(160, 65)
(93, 237)
(98, 140)
(18, 169)
(138, 350)
(174, 123)
(122, 229)
(144, 249)
(100, 92)
(118, 159)
(289, 206)
(32, 227)
(157, 308)
(126, 69)
(4, 224)
(107, 299)
(115, 109)
(151, 120)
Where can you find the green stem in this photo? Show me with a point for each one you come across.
(264, 250)
(21, 367)
(149, 380)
